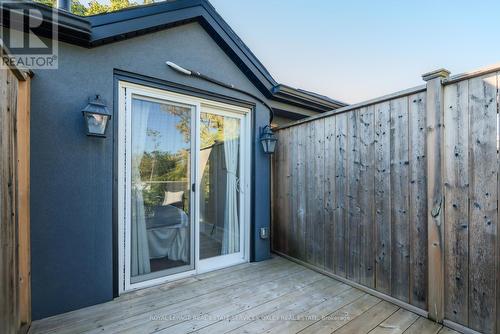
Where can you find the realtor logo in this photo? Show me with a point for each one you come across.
(28, 36)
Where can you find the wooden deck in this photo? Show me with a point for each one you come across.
(275, 296)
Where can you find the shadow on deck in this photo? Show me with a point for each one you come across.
(274, 296)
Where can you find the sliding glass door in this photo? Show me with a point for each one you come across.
(182, 177)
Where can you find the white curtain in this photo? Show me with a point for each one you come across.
(231, 240)
(139, 242)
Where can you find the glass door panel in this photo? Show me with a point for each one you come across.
(219, 159)
(160, 227)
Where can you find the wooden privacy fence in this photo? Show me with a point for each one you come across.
(399, 196)
(15, 300)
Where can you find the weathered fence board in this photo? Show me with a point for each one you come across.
(310, 192)
(340, 200)
(293, 232)
(456, 188)
(301, 194)
(401, 195)
(277, 203)
(418, 200)
(483, 202)
(353, 189)
(330, 194)
(365, 194)
(382, 198)
(284, 188)
(23, 209)
(399, 200)
(317, 168)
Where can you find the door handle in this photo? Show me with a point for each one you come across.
(193, 187)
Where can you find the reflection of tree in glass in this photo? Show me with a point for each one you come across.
(184, 119)
(211, 129)
(160, 167)
(154, 135)
(166, 171)
(211, 135)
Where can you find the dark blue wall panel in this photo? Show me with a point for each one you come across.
(72, 174)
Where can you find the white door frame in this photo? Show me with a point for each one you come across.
(125, 92)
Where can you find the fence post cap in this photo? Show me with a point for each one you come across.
(440, 73)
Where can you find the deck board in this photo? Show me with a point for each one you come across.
(274, 296)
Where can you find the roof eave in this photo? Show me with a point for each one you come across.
(70, 28)
(301, 98)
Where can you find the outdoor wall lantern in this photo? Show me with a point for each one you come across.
(268, 139)
(96, 115)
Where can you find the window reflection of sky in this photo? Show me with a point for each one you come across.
(163, 131)
(168, 127)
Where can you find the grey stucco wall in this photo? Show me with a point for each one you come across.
(72, 174)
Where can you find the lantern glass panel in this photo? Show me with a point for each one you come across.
(268, 140)
(96, 124)
(264, 145)
(271, 146)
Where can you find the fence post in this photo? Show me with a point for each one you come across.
(435, 200)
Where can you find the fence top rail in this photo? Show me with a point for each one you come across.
(351, 107)
(452, 79)
(472, 74)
